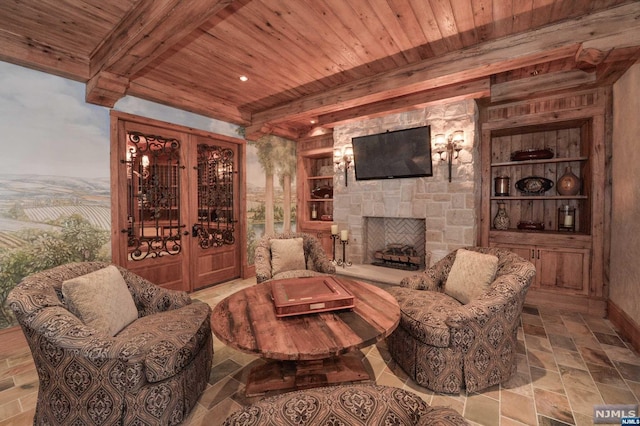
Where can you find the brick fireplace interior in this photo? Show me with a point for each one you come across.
(382, 232)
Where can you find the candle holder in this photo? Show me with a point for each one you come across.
(344, 262)
(334, 237)
(567, 218)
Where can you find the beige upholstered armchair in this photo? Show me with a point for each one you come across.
(447, 345)
(290, 255)
(152, 371)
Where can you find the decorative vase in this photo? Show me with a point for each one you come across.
(501, 222)
(568, 183)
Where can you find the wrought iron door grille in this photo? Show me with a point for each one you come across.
(216, 223)
(153, 164)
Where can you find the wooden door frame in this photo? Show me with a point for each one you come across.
(118, 210)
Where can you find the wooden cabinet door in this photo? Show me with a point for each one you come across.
(560, 269)
(563, 269)
(526, 252)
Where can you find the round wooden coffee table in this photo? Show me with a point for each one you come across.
(305, 350)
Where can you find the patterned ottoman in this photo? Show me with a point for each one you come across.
(346, 405)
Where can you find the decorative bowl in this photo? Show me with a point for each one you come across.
(324, 191)
(534, 185)
(532, 154)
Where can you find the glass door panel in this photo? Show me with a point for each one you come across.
(153, 196)
(216, 221)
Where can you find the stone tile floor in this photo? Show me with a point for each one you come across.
(567, 363)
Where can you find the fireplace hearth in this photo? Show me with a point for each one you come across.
(399, 256)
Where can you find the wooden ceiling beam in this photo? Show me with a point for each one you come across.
(150, 29)
(253, 133)
(105, 88)
(196, 101)
(616, 64)
(545, 44)
(468, 90)
(542, 83)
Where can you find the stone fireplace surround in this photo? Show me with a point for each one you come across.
(448, 210)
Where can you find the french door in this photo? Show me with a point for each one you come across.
(215, 241)
(175, 203)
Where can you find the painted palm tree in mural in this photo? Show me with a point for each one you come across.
(276, 155)
(266, 159)
(286, 160)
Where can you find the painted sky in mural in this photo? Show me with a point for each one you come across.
(48, 129)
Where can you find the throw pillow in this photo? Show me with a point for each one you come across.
(101, 300)
(471, 275)
(287, 254)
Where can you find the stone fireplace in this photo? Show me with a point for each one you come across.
(382, 232)
(446, 210)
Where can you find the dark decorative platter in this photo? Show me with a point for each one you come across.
(531, 226)
(324, 191)
(532, 154)
(534, 185)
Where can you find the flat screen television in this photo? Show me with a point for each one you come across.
(398, 154)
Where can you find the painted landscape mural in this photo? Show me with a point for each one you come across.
(54, 175)
(271, 205)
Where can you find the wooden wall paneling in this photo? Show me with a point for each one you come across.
(598, 180)
(516, 143)
(486, 206)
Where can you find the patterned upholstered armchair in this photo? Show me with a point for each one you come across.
(351, 405)
(445, 345)
(290, 255)
(151, 372)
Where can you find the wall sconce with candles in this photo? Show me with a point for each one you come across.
(343, 158)
(449, 148)
(132, 154)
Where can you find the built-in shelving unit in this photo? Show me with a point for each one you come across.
(315, 188)
(569, 264)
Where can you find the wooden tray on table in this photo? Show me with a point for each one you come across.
(298, 296)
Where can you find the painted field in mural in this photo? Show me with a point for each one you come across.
(47, 221)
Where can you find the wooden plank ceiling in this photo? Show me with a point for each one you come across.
(320, 62)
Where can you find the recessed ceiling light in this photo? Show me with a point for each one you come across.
(244, 78)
